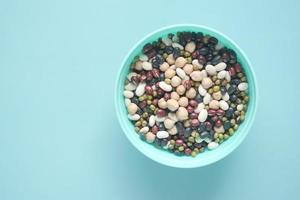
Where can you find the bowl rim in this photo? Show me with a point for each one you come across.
(250, 120)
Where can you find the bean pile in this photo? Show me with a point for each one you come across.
(186, 92)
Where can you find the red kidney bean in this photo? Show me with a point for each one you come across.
(220, 112)
(184, 145)
(231, 71)
(154, 129)
(160, 91)
(149, 89)
(215, 118)
(193, 115)
(143, 78)
(187, 84)
(179, 142)
(211, 112)
(160, 113)
(193, 103)
(218, 123)
(143, 104)
(237, 67)
(155, 73)
(155, 102)
(149, 76)
(190, 109)
(167, 96)
(135, 79)
(208, 125)
(187, 151)
(195, 54)
(195, 122)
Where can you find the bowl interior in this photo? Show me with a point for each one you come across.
(165, 157)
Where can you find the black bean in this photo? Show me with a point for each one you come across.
(203, 144)
(151, 53)
(161, 127)
(182, 41)
(232, 60)
(135, 100)
(211, 134)
(193, 36)
(139, 111)
(187, 132)
(229, 112)
(157, 61)
(199, 98)
(199, 36)
(149, 110)
(197, 145)
(203, 51)
(225, 57)
(164, 142)
(169, 49)
(170, 35)
(226, 125)
(233, 98)
(235, 81)
(201, 128)
(231, 89)
(157, 141)
(232, 53)
(151, 82)
(187, 36)
(223, 90)
(176, 52)
(147, 47)
(213, 40)
(204, 135)
(209, 57)
(201, 59)
(216, 60)
(162, 77)
(199, 45)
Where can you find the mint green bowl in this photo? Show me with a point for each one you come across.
(162, 156)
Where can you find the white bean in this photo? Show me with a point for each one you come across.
(147, 66)
(166, 87)
(202, 115)
(130, 86)
(151, 120)
(243, 86)
(221, 66)
(212, 145)
(180, 73)
(162, 134)
(128, 94)
(134, 117)
(140, 90)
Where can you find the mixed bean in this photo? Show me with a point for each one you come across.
(186, 92)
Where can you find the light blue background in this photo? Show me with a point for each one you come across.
(59, 136)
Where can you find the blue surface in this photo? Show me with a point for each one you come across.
(59, 136)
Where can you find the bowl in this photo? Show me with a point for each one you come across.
(165, 157)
